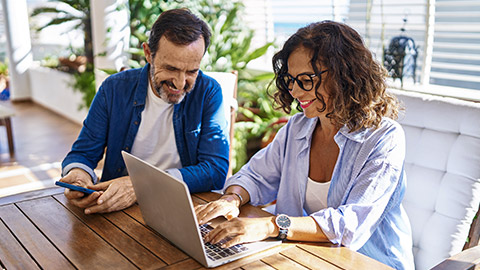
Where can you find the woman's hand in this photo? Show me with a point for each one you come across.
(242, 230)
(227, 206)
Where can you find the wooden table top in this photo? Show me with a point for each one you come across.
(49, 233)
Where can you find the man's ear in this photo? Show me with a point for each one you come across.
(147, 52)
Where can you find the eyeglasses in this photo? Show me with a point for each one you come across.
(304, 80)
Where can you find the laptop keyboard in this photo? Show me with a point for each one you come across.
(216, 252)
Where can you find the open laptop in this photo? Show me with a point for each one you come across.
(167, 207)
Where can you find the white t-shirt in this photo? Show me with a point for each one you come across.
(155, 140)
(316, 196)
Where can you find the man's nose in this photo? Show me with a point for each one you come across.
(180, 81)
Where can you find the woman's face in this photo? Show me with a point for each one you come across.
(298, 63)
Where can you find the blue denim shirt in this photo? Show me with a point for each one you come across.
(112, 122)
(364, 209)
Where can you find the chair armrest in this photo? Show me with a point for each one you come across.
(469, 259)
(474, 234)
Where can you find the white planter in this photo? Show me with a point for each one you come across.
(52, 89)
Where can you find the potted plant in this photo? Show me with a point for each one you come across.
(4, 81)
(79, 64)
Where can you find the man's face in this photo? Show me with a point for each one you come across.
(174, 68)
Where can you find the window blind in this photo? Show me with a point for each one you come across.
(378, 21)
(456, 46)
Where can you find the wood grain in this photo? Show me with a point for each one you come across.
(127, 246)
(147, 237)
(254, 257)
(50, 233)
(281, 262)
(30, 195)
(257, 265)
(12, 254)
(42, 250)
(343, 257)
(307, 259)
(82, 246)
(188, 264)
(468, 259)
(135, 213)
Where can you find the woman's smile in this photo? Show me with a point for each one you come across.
(306, 103)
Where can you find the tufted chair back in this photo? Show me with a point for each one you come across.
(443, 173)
(228, 82)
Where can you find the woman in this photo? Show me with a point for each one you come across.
(336, 170)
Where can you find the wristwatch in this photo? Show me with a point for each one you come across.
(283, 223)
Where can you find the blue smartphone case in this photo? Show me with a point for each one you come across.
(74, 187)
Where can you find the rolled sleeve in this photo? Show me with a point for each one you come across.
(84, 167)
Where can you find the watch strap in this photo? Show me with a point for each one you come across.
(282, 234)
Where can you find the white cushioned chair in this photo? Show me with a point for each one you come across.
(228, 82)
(443, 173)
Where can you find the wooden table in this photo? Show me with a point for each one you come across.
(45, 231)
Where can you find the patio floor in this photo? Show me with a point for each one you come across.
(42, 138)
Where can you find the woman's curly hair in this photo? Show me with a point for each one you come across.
(355, 81)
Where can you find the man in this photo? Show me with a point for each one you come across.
(168, 113)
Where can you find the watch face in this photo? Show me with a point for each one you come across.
(283, 221)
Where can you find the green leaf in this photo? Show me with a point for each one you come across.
(259, 52)
(135, 51)
(265, 76)
(57, 21)
(41, 10)
(109, 71)
(230, 17)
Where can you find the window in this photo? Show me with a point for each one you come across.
(446, 32)
(456, 46)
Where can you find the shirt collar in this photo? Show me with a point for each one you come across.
(357, 136)
(142, 87)
(308, 130)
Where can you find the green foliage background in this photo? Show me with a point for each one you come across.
(230, 49)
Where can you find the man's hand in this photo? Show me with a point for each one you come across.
(117, 194)
(81, 178)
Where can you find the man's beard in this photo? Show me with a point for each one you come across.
(164, 94)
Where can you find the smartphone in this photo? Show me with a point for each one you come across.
(75, 187)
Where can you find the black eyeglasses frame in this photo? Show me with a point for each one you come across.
(299, 82)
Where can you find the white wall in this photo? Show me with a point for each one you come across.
(52, 89)
(19, 49)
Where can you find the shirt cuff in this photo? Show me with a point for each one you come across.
(82, 166)
(175, 173)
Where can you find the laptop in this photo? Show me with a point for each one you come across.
(167, 207)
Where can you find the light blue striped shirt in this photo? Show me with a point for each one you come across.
(364, 200)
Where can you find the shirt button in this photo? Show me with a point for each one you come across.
(126, 148)
(136, 122)
(134, 103)
(119, 169)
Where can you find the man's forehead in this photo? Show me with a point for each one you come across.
(169, 53)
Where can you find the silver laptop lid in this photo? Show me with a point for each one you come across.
(166, 206)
